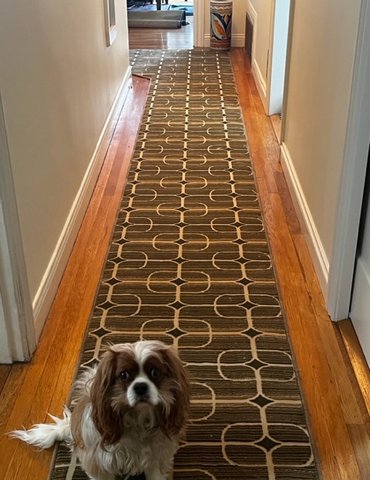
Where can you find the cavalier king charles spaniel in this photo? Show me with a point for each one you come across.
(128, 414)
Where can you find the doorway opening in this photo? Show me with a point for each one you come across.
(162, 38)
(280, 29)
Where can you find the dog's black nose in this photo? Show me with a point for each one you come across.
(141, 388)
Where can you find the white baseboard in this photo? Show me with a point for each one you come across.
(53, 274)
(256, 71)
(252, 13)
(318, 255)
(237, 40)
(260, 83)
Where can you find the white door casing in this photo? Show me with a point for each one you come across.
(17, 331)
(198, 25)
(280, 20)
(351, 192)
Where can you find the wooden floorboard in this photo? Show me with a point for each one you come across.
(337, 413)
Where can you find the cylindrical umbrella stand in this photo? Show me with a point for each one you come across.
(221, 19)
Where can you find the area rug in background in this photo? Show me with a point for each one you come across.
(189, 264)
(188, 9)
(156, 19)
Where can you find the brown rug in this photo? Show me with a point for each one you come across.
(190, 264)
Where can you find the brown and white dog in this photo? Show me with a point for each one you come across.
(128, 415)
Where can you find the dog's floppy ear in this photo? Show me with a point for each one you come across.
(176, 419)
(108, 422)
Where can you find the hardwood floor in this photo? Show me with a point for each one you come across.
(337, 411)
(338, 417)
(276, 125)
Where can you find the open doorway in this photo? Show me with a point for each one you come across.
(157, 35)
(280, 27)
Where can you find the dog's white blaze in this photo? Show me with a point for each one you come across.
(153, 396)
(145, 349)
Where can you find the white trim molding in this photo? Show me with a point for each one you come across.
(17, 331)
(53, 274)
(256, 71)
(353, 177)
(253, 16)
(278, 53)
(237, 40)
(315, 246)
(260, 83)
(110, 21)
(198, 25)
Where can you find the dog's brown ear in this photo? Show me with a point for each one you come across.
(107, 421)
(177, 417)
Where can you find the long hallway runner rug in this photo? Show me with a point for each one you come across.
(189, 264)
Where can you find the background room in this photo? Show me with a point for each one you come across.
(160, 23)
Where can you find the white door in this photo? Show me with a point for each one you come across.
(360, 304)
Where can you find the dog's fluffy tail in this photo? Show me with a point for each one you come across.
(44, 435)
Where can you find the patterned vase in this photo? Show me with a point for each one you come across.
(221, 19)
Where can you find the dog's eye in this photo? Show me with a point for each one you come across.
(154, 373)
(124, 375)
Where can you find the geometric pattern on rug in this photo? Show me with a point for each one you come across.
(189, 264)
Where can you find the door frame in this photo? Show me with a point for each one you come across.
(274, 55)
(198, 24)
(341, 272)
(17, 329)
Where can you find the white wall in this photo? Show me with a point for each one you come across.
(58, 82)
(319, 87)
